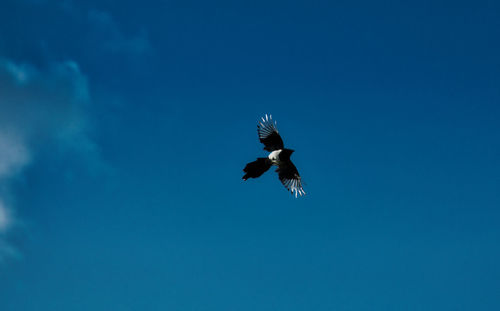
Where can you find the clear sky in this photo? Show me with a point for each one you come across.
(124, 128)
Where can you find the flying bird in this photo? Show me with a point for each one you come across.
(279, 156)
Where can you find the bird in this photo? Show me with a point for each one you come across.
(279, 156)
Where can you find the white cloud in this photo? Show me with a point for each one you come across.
(37, 106)
(13, 155)
(4, 218)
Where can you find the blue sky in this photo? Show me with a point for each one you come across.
(124, 128)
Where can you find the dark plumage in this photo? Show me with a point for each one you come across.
(256, 168)
(279, 156)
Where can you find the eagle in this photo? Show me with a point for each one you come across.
(279, 156)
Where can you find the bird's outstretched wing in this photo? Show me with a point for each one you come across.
(290, 178)
(268, 134)
(256, 168)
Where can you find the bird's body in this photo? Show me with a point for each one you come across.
(279, 156)
(274, 156)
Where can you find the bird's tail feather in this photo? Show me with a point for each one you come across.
(256, 168)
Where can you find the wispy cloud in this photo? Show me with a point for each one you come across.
(45, 101)
(37, 106)
(113, 39)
